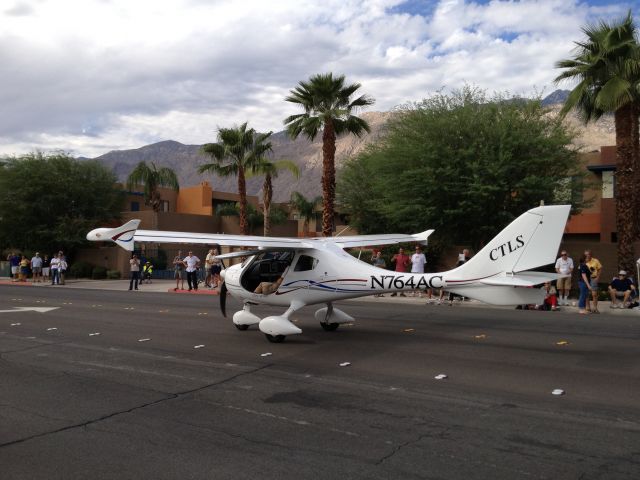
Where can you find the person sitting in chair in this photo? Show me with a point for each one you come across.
(621, 287)
(267, 288)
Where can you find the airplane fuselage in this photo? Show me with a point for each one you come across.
(327, 281)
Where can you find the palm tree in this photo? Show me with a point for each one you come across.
(328, 106)
(152, 178)
(607, 67)
(270, 170)
(237, 150)
(305, 208)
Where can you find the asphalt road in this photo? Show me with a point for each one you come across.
(75, 404)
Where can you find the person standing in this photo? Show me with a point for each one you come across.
(178, 270)
(595, 268)
(584, 284)
(564, 266)
(55, 262)
(62, 267)
(378, 262)
(402, 262)
(191, 263)
(14, 261)
(24, 268)
(46, 264)
(208, 263)
(36, 267)
(135, 271)
(418, 261)
(216, 268)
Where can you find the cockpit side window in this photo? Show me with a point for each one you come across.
(305, 263)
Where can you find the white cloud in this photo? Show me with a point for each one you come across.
(98, 75)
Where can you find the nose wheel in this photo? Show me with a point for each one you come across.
(275, 338)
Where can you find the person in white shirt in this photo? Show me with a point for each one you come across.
(564, 266)
(191, 262)
(55, 277)
(135, 271)
(418, 261)
(36, 267)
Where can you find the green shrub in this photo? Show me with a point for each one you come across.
(80, 269)
(113, 274)
(99, 273)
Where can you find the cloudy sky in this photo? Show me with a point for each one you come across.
(90, 76)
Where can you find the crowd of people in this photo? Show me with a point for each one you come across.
(621, 289)
(40, 269)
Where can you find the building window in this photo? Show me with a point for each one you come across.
(165, 206)
(135, 206)
(608, 184)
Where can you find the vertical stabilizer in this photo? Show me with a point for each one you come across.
(530, 241)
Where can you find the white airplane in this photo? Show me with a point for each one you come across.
(296, 272)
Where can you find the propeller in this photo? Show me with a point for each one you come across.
(223, 299)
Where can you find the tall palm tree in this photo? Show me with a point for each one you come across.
(236, 151)
(152, 178)
(327, 105)
(306, 208)
(270, 170)
(607, 67)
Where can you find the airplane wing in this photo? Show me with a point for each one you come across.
(385, 239)
(263, 243)
(127, 234)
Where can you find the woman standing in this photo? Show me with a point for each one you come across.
(584, 283)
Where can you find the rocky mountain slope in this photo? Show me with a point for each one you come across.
(185, 159)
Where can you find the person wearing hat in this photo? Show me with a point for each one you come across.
(621, 287)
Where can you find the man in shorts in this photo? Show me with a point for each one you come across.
(36, 268)
(178, 270)
(595, 267)
(14, 261)
(564, 266)
(621, 287)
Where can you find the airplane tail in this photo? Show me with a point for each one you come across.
(122, 236)
(498, 275)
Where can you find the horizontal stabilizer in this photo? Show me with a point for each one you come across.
(523, 279)
(501, 295)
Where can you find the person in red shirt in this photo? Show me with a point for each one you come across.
(402, 262)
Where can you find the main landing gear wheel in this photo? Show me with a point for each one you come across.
(329, 327)
(241, 327)
(275, 338)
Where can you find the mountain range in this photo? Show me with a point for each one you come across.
(185, 159)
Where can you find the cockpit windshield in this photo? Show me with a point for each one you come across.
(266, 267)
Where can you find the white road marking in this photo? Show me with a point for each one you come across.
(29, 309)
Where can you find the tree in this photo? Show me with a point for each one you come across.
(270, 170)
(152, 178)
(328, 107)
(51, 201)
(607, 67)
(277, 215)
(237, 150)
(306, 208)
(463, 164)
